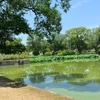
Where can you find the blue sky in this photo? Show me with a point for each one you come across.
(82, 13)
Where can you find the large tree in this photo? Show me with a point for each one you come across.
(47, 17)
(77, 38)
(95, 39)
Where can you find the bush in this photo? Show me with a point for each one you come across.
(65, 52)
(68, 52)
(92, 51)
(59, 53)
(48, 53)
(16, 56)
(35, 53)
(85, 52)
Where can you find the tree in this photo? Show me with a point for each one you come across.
(77, 38)
(14, 46)
(11, 20)
(37, 45)
(58, 43)
(45, 46)
(34, 44)
(47, 17)
(95, 39)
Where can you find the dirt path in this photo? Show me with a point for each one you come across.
(10, 90)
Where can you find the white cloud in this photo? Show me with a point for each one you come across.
(80, 3)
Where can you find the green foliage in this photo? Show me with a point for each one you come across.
(35, 53)
(58, 42)
(1, 58)
(14, 47)
(99, 51)
(85, 52)
(94, 39)
(48, 53)
(34, 43)
(45, 59)
(10, 57)
(68, 52)
(65, 52)
(92, 51)
(77, 38)
(59, 53)
(47, 18)
(81, 40)
(37, 59)
(12, 20)
(22, 55)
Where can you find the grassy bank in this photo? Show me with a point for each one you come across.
(41, 58)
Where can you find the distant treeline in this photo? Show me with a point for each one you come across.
(76, 40)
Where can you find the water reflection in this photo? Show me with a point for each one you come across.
(80, 76)
(76, 76)
(70, 81)
(37, 78)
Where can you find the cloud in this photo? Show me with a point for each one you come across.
(80, 3)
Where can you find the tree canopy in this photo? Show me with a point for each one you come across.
(47, 18)
(77, 38)
(80, 40)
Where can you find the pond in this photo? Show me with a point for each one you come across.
(78, 79)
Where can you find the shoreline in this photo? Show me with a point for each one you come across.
(14, 62)
(11, 90)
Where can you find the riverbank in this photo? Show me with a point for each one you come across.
(11, 90)
(14, 62)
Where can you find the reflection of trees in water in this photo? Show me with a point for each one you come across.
(76, 79)
(37, 78)
(40, 77)
(75, 82)
(79, 73)
(96, 81)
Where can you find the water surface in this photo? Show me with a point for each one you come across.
(79, 79)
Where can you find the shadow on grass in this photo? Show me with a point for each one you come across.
(5, 82)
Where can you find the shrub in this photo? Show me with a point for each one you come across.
(85, 52)
(59, 53)
(68, 52)
(35, 53)
(16, 56)
(92, 51)
(48, 53)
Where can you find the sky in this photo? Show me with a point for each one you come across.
(81, 13)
